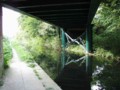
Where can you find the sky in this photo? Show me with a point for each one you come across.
(10, 23)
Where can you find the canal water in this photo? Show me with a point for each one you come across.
(70, 73)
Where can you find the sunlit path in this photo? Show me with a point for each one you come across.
(21, 77)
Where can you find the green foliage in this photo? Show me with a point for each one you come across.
(32, 65)
(104, 53)
(49, 62)
(29, 25)
(7, 51)
(75, 49)
(37, 74)
(106, 44)
(38, 41)
(106, 29)
(33, 27)
(22, 52)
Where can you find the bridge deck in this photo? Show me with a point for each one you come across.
(63, 13)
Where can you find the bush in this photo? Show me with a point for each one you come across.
(22, 52)
(7, 51)
(76, 49)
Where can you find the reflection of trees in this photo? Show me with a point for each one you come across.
(106, 43)
(49, 61)
(109, 76)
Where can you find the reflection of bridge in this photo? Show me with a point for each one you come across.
(72, 75)
(71, 16)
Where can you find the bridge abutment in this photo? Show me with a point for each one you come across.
(1, 45)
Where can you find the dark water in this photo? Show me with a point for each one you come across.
(70, 73)
(106, 74)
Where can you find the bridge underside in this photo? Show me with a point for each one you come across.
(73, 15)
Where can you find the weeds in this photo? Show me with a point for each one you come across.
(7, 51)
(37, 74)
(32, 65)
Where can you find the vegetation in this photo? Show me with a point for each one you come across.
(36, 73)
(106, 41)
(106, 29)
(106, 38)
(106, 45)
(22, 52)
(38, 41)
(75, 49)
(106, 73)
(7, 51)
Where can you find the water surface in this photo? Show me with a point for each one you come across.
(105, 72)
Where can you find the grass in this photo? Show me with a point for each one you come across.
(32, 65)
(23, 53)
(37, 74)
(26, 56)
(49, 88)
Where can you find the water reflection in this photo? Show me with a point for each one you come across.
(67, 59)
(70, 71)
(106, 74)
(50, 62)
(73, 72)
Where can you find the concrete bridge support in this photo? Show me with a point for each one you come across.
(1, 46)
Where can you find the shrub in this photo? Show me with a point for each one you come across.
(7, 51)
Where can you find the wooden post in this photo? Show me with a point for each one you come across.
(1, 46)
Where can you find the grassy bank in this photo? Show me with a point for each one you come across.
(22, 52)
(45, 53)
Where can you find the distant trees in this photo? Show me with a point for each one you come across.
(37, 35)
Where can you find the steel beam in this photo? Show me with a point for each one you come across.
(34, 3)
(89, 38)
(63, 39)
(89, 50)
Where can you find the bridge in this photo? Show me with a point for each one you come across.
(73, 17)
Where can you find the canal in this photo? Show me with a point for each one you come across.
(69, 71)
